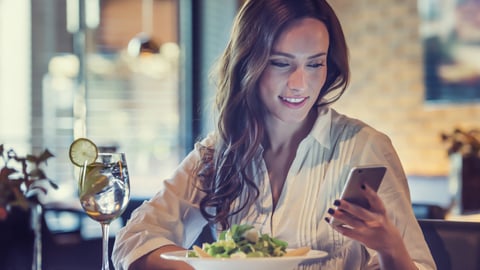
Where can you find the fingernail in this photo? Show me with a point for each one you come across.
(336, 202)
(331, 211)
(327, 219)
(363, 186)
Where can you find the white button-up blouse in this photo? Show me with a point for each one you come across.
(316, 177)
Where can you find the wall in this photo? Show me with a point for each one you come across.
(386, 89)
(123, 19)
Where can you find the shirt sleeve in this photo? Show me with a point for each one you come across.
(395, 194)
(172, 216)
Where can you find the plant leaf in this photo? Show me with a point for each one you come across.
(11, 154)
(45, 156)
(37, 174)
(55, 186)
(20, 199)
(5, 172)
(16, 185)
(33, 190)
(32, 158)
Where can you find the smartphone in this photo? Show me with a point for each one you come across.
(371, 175)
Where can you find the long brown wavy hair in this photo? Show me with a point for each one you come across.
(240, 128)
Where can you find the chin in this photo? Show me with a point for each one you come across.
(295, 118)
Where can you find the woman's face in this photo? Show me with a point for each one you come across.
(297, 69)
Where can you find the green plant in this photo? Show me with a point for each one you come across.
(466, 143)
(21, 178)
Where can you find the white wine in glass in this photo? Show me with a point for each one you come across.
(104, 192)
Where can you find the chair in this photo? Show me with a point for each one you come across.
(428, 211)
(455, 245)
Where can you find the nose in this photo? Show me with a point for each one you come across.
(296, 80)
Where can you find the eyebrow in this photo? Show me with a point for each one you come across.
(291, 56)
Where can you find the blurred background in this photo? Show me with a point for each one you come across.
(133, 75)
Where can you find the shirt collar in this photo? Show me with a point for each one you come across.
(322, 127)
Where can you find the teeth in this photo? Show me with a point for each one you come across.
(293, 100)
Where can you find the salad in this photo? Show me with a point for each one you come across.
(241, 241)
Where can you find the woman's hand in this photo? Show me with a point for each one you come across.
(368, 226)
(373, 228)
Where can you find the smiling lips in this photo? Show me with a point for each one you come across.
(293, 101)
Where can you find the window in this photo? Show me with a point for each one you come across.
(132, 87)
(14, 75)
(450, 32)
(68, 81)
(60, 81)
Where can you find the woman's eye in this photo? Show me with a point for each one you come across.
(316, 65)
(278, 64)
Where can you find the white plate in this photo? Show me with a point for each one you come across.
(271, 263)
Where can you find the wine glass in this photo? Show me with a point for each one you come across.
(104, 192)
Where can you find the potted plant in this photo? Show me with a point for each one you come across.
(463, 149)
(21, 181)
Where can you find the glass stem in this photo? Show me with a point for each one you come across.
(105, 236)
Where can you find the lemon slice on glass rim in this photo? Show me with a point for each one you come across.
(82, 151)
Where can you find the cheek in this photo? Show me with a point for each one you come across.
(265, 93)
(269, 84)
(317, 80)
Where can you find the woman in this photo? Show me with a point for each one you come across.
(279, 156)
